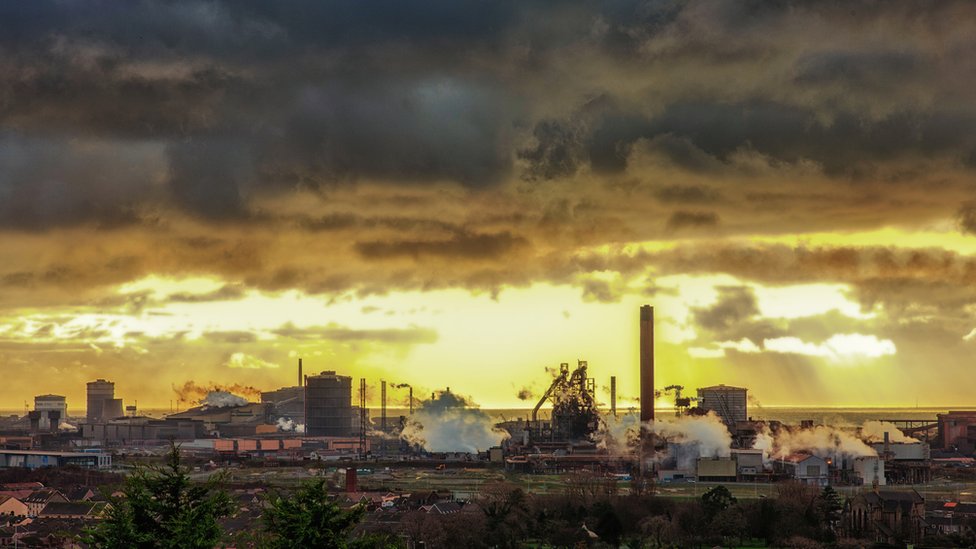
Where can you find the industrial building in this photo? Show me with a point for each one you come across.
(806, 468)
(957, 431)
(34, 459)
(287, 402)
(101, 392)
(328, 405)
(50, 403)
(142, 429)
(905, 463)
(729, 403)
(230, 420)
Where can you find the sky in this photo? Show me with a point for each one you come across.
(466, 194)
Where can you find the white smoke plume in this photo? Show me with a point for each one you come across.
(222, 399)
(706, 432)
(873, 431)
(449, 423)
(65, 426)
(821, 441)
(288, 425)
(618, 435)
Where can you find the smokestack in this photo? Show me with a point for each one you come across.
(300, 378)
(613, 395)
(352, 480)
(646, 363)
(383, 405)
(411, 400)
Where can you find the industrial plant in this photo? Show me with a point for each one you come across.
(707, 435)
(710, 436)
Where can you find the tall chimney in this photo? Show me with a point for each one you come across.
(300, 378)
(613, 395)
(646, 363)
(383, 405)
(411, 400)
(352, 479)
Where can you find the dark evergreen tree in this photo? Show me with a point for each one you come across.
(160, 507)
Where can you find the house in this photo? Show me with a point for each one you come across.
(40, 498)
(80, 493)
(887, 516)
(949, 517)
(445, 508)
(71, 510)
(12, 507)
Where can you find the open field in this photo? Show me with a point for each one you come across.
(464, 481)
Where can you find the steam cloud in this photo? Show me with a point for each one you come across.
(449, 423)
(829, 442)
(524, 393)
(706, 432)
(288, 425)
(618, 435)
(191, 392)
(222, 399)
(873, 431)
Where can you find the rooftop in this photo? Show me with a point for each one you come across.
(722, 387)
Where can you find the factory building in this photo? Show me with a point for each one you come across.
(100, 391)
(806, 468)
(141, 429)
(870, 470)
(50, 403)
(905, 463)
(328, 405)
(230, 420)
(748, 463)
(729, 403)
(957, 431)
(33, 459)
(287, 402)
(717, 469)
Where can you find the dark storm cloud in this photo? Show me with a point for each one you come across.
(684, 219)
(692, 194)
(460, 246)
(735, 316)
(244, 99)
(966, 216)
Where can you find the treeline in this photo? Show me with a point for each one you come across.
(161, 508)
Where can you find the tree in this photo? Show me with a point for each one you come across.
(717, 499)
(308, 518)
(829, 507)
(729, 523)
(506, 512)
(160, 507)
